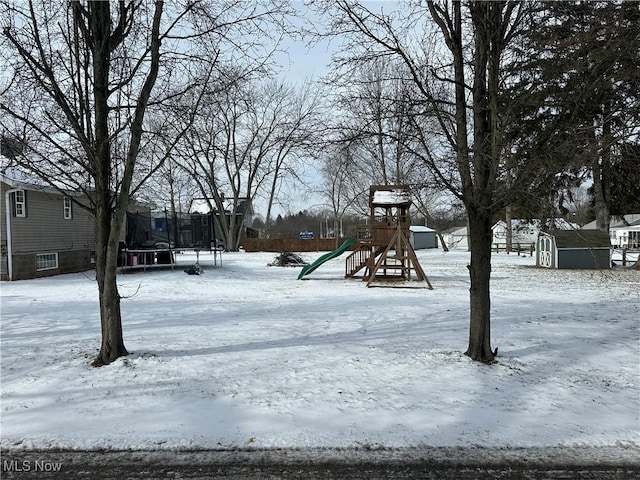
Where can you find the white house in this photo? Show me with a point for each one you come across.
(630, 237)
(624, 230)
(456, 238)
(525, 232)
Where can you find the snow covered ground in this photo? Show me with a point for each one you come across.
(247, 356)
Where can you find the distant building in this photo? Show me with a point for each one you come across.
(48, 231)
(422, 237)
(624, 230)
(523, 232)
(456, 238)
(526, 231)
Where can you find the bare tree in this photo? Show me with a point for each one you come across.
(342, 189)
(377, 104)
(374, 101)
(454, 54)
(73, 69)
(245, 141)
(298, 132)
(82, 78)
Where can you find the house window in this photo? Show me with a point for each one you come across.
(46, 261)
(67, 208)
(20, 204)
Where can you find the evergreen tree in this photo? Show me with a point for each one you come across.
(581, 62)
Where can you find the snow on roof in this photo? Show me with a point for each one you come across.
(617, 221)
(13, 176)
(420, 228)
(391, 197)
(625, 220)
(536, 224)
(19, 179)
(205, 206)
(201, 205)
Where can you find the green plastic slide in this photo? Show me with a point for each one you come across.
(307, 269)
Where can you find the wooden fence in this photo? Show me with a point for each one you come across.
(635, 251)
(290, 244)
(516, 247)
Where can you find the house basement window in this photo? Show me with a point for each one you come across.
(67, 208)
(46, 261)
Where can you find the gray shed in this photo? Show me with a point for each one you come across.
(573, 249)
(422, 237)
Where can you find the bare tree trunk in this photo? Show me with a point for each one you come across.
(112, 345)
(487, 19)
(480, 304)
(601, 171)
(509, 228)
(600, 187)
(174, 213)
(445, 247)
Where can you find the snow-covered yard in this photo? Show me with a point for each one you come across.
(246, 355)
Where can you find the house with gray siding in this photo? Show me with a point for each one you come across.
(44, 231)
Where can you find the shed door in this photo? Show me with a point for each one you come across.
(545, 252)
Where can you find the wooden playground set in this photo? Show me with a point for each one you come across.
(381, 250)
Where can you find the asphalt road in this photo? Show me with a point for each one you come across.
(427, 463)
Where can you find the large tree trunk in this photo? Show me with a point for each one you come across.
(112, 346)
(107, 236)
(479, 273)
